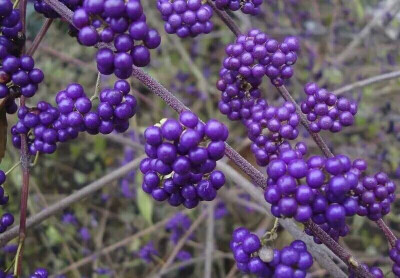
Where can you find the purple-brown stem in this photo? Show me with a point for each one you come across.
(258, 178)
(25, 172)
(25, 158)
(225, 18)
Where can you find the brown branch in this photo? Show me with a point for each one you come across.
(39, 37)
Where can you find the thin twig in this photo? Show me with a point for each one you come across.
(114, 246)
(209, 241)
(378, 16)
(181, 242)
(197, 260)
(367, 81)
(71, 199)
(39, 37)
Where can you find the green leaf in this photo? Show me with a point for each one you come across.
(333, 75)
(53, 236)
(359, 9)
(144, 202)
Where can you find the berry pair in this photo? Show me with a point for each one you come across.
(182, 156)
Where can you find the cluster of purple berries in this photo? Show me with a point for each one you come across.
(17, 73)
(43, 128)
(122, 23)
(288, 199)
(333, 182)
(186, 17)
(7, 219)
(182, 156)
(325, 190)
(340, 191)
(395, 257)
(115, 109)
(20, 72)
(253, 258)
(72, 115)
(248, 60)
(10, 19)
(325, 111)
(268, 127)
(251, 7)
(375, 196)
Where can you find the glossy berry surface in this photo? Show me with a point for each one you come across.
(181, 161)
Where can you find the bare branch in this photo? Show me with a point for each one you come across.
(366, 82)
(71, 199)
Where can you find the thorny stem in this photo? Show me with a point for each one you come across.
(258, 178)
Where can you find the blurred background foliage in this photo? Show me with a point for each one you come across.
(189, 68)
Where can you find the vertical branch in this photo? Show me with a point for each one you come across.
(209, 241)
(25, 171)
(25, 158)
